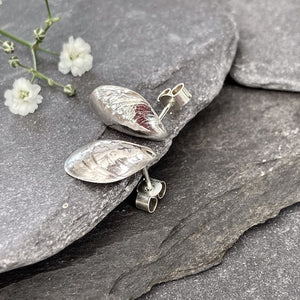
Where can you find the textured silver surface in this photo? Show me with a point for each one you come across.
(107, 161)
(127, 111)
(42, 209)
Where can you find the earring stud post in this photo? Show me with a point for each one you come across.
(165, 110)
(147, 179)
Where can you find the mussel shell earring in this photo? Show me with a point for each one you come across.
(129, 112)
(107, 161)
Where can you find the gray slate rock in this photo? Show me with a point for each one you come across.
(234, 166)
(263, 264)
(145, 46)
(268, 53)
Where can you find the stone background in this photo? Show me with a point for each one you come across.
(235, 165)
(263, 264)
(268, 55)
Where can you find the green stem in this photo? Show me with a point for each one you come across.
(36, 44)
(15, 38)
(33, 53)
(48, 9)
(34, 47)
(26, 43)
(47, 51)
(38, 74)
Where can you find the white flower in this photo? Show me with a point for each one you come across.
(23, 98)
(75, 57)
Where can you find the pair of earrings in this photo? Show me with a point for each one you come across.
(107, 161)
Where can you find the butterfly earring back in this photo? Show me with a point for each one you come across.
(173, 100)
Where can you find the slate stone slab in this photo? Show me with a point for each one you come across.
(263, 264)
(143, 45)
(234, 166)
(268, 52)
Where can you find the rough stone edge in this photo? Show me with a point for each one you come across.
(277, 82)
(219, 259)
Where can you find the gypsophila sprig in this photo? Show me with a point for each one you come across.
(23, 98)
(76, 57)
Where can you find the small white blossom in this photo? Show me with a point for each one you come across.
(23, 98)
(75, 57)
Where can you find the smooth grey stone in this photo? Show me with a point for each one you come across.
(235, 165)
(268, 52)
(263, 264)
(143, 45)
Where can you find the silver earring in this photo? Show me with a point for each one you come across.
(130, 113)
(107, 161)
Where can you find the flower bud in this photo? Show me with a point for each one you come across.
(55, 19)
(14, 61)
(8, 47)
(49, 22)
(50, 82)
(69, 90)
(39, 34)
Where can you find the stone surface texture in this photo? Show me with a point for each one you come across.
(268, 52)
(143, 45)
(264, 264)
(235, 165)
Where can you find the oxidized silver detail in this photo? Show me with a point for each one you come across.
(127, 111)
(106, 161)
(147, 199)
